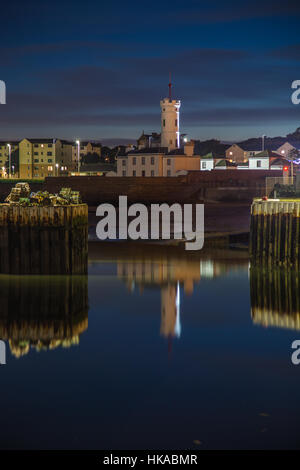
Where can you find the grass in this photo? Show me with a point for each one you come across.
(21, 180)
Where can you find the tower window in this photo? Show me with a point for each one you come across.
(164, 122)
(176, 122)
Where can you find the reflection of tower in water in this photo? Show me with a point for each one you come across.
(169, 274)
(170, 311)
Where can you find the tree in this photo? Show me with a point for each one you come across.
(90, 158)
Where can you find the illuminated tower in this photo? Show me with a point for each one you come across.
(170, 136)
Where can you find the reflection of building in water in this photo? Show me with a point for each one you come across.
(185, 271)
(275, 297)
(170, 310)
(169, 273)
(42, 312)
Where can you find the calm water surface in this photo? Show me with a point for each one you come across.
(154, 349)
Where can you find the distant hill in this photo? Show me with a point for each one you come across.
(295, 135)
(271, 143)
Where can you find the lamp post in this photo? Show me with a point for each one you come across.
(9, 160)
(78, 155)
(56, 166)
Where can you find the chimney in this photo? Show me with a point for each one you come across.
(189, 148)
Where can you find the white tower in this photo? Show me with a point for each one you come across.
(170, 136)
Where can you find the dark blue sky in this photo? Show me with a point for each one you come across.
(98, 69)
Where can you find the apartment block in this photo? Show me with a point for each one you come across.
(39, 158)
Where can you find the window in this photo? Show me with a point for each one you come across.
(204, 165)
(50, 168)
(36, 153)
(36, 160)
(49, 145)
(169, 161)
(134, 161)
(152, 172)
(176, 122)
(35, 145)
(49, 154)
(143, 173)
(134, 173)
(49, 160)
(143, 160)
(169, 173)
(152, 160)
(258, 164)
(164, 123)
(124, 162)
(124, 173)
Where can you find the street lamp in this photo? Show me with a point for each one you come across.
(9, 159)
(78, 155)
(13, 170)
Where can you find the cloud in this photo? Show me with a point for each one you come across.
(232, 11)
(291, 52)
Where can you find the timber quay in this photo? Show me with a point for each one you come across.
(43, 239)
(275, 232)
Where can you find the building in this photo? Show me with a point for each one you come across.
(96, 169)
(170, 136)
(171, 158)
(239, 154)
(223, 164)
(39, 158)
(4, 157)
(86, 148)
(148, 140)
(262, 160)
(207, 162)
(287, 148)
(153, 162)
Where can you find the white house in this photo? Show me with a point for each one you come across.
(207, 162)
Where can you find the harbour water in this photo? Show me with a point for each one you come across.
(156, 348)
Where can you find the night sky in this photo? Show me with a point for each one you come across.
(97, 70)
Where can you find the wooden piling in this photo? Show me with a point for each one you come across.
(275, 232)
(43, 239)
